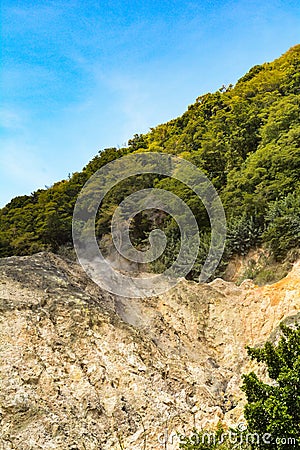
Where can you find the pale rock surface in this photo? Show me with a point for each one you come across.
(82, 369)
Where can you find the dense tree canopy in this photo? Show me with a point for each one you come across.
(245, 138)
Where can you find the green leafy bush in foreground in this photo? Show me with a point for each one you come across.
(272, 411)
(275, 408)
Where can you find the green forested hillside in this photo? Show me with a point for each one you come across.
(246, 138)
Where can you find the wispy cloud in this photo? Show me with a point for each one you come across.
(28, 17)
(10, 119)
(80, 76)
(132, 102)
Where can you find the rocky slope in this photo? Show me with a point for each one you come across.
(81, 369)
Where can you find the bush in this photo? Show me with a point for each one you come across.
(274, 409)
(283, 225)
(243, 234)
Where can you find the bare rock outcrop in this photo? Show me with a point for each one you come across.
(82, 369)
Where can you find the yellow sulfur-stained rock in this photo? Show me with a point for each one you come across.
(82, 369)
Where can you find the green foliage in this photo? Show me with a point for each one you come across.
(275, 408)
(204, 440)
(137, 142)
(283, 225)
(266, 271)
(242, 235)
(245, 138)
(272, 410)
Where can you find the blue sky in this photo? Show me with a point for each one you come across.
(78, 76)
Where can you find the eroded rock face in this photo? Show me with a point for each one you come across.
(82, 369)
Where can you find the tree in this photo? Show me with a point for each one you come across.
(273, 410)
(282, 232)
(245, 139)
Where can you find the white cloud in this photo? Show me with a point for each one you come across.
(11, 119)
